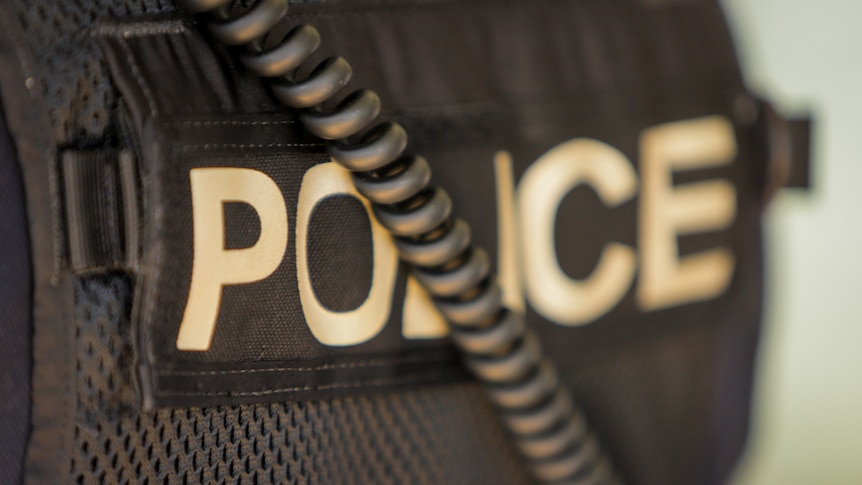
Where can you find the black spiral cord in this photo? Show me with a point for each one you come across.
(548, 429)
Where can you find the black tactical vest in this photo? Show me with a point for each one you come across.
(193, 291)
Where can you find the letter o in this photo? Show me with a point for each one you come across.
(366, 321)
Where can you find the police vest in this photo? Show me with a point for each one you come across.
(200, 288)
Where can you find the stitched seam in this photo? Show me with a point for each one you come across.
(323, 387)
(111, 28)
(136, 72)
(349, 365)
(219, 146)
(207, 123)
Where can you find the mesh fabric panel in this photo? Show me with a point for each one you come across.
(439, 434)
(75, 81)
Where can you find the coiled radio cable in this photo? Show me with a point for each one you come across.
(548, 428)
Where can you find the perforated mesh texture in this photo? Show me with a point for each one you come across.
(441, 434)
(68, 66)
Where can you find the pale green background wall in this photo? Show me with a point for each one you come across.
(808, 408)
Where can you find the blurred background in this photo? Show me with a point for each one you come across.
(807, 428)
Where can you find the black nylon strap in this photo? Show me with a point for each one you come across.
(800, 166)
(101, 209)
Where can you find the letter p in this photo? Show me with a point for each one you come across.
(214, 266)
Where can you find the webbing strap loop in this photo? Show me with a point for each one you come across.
(101, 202)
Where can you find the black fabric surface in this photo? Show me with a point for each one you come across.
(15, 315)
(339, 243)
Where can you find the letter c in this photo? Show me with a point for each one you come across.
(544, 185)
